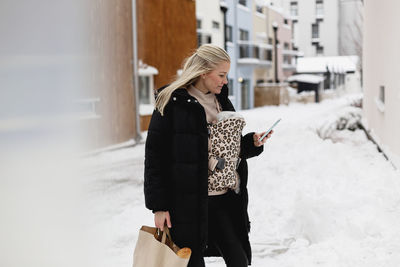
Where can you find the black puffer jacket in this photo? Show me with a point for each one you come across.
(176, 170)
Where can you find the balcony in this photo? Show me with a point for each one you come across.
(290, 52)
(319, 12)
(315, 40)
(289, 66)
(253, 53)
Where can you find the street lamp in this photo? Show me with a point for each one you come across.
(224, 9)
(275, 28)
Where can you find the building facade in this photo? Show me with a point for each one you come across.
(315, 26)
(285, 54)
(382, 75)
(262, 44)
(326, 27)
(165, 39)
(210, 22)
(109, 105)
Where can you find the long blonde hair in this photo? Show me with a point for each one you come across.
(205, 59)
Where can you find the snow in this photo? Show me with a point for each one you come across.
(148, 71)
(146, 109)
(306, 78)
(318, 196)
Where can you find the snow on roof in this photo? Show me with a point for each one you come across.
(248, 60)
(262, 2)
(223, 4)
(146, 70)
(306, 78)
(340, 64)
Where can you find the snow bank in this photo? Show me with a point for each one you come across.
(312, 201)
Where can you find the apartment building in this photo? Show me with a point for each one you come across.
(262, 44)
(249, 40)
(286, 55)
(164, 40)
(315, 26)
(325, 27)
(210, 22)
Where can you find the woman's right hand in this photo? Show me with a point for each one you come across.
(160, 217)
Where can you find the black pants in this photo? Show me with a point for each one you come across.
(221, 229)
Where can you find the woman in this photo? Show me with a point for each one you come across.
(177, 161)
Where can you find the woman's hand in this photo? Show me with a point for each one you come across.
(160, 217)
(257, 136)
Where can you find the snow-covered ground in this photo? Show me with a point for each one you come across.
(318, 196)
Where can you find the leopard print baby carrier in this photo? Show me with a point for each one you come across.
(223, 155)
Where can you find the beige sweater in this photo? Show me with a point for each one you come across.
(208, 101)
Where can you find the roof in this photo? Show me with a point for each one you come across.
(306, 78)
(147, 71)
(339, 64)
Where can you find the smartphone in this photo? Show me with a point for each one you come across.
(269, 130)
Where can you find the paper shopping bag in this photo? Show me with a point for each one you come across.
(156, 249)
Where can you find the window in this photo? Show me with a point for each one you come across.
(144, 89)
(198, 23)
(215, 25)
(286, 46)
(228, 33)
(243, 2)
(382, 94)
(259, 9)
(256, 52)
(243, 35)
(320, 50)
(230, 87)
(244, 51)
(269, 55)
(315, 31)
(203, 39)
(270, 40)
(319, 7)
(294, 9)
(287, 59)
(245, 93)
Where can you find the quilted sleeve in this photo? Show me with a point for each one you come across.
(156, 175)
(247, 147)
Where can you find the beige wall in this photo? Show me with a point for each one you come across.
(111, 75)
(284, 35)
(260, 35)
(381, 68)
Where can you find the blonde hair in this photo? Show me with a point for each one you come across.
(205, 59)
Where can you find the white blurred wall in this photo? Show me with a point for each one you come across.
(381, 65)
(42, 66)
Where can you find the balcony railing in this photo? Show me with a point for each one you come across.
(289, 52)
(288, 66)
(253, 53)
